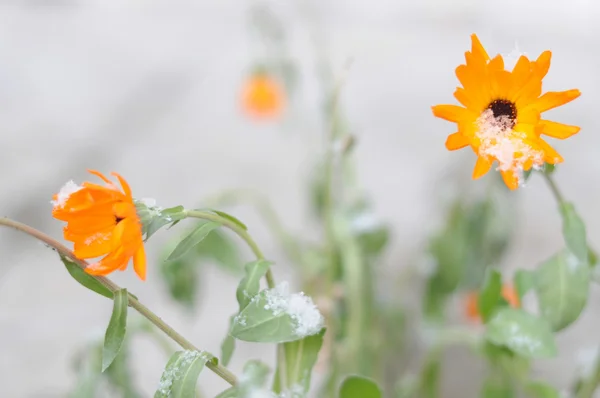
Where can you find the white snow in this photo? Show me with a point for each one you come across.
(65, 192)
(173, 372)
(305, 314)
(501, 142)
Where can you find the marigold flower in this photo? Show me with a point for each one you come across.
(501, 114)
(472, 311)
(263, 97)
(102, 221)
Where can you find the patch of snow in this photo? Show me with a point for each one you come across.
(65, 192)
(304, 313)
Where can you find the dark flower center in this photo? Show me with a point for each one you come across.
(502, 107)
(119, 219)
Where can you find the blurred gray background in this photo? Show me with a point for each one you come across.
(149, 88)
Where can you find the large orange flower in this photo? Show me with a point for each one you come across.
(102, 221)
(501, 114)
(263, 97)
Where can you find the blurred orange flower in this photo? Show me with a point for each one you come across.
(263, 97)
(509, 294)
(501, 114)
(102, 221)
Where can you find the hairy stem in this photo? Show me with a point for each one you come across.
(221, 371)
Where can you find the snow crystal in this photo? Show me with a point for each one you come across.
(518, 339)
(240, 320)
(304, 313)
(96, 237)
(173, 372)
(65, 192)
(149, 202)
(507, 146)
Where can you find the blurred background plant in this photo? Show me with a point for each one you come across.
(464, 298)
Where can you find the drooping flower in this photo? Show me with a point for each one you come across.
(102, 221)
(263, 97)
(472, 310)
(500, 116)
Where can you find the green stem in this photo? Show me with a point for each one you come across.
(554, 188)
(242, 233)
(221, 371)
(268, 213)
(590, 385)
(239, 231)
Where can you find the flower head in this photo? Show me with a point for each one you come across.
(501, 114)
(262, 97)
(471, 307)
(102, 221)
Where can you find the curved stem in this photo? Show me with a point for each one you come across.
(239, 231)
(221, 371)
(554, 188)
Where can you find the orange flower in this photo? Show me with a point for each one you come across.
(472, 311)
(102, 221)
(263, 97)
(501, 114)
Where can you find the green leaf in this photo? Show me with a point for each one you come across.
(193, 238)
(538, 389)
(227, 346)
(231, 392)
(359, 387)
(250, 285)
(221, 248)
(300, 358)
(266, 319)
(373, 242)
(180, 376)
(182, 279)
(562, 288)
(154, 218)
(85, 279)
(255, 374)
(522, 332)
(231, 218)
(574, 232)
(524, 281)
(490, 295)
(115, 333)
(493, 388)
(549, 168)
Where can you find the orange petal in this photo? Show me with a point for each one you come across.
(482, 166)
(521, 71)
(550, 154)
(552, 99)
(463, 97)
(456, 141)
(124, 185)
(139, 262)
(477, 48)
(452, 113)
(542, 64)
(497, 63)
(510, 179)
(97, 247)
(100, 175)
(558, 130)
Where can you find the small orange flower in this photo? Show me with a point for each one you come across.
(472, 311)
(501, 114)
(263, 97)
(102, 221)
